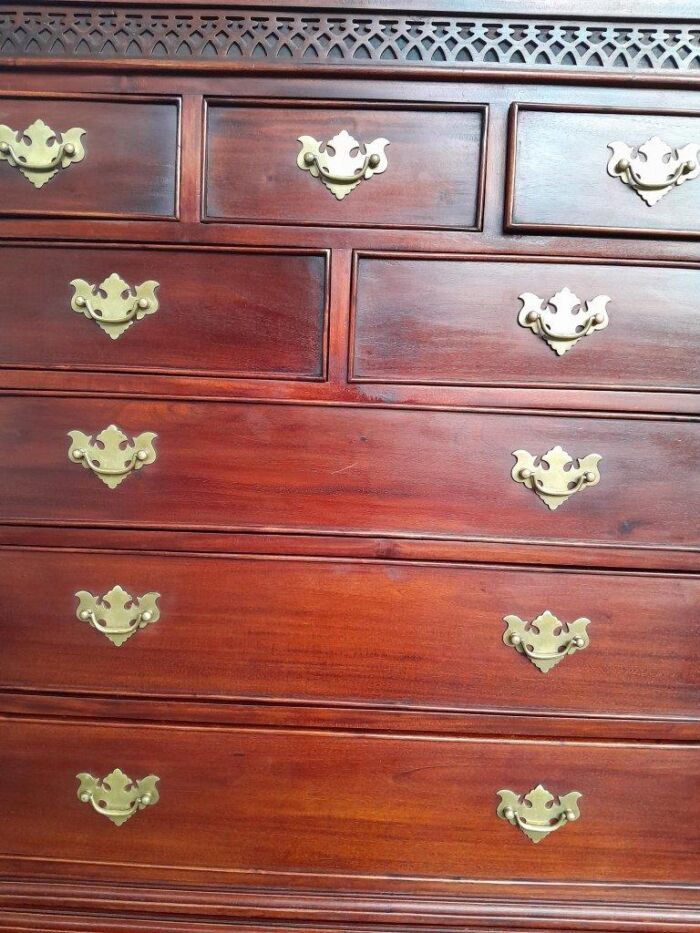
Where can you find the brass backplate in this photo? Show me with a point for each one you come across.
(555, 476)
(117, 614)
(114, 305)
(564, 319)
(39, 152)
(342, 163)
(111, 454)
(538, 813)
(653, 168)
(116, 796)
(545, 641)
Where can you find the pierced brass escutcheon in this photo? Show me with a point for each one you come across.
(538, 813)
(546, 640)
(114, 304)
(653, 168)
(563, 320)
(111, 455)
(555, 476)
(341, 163)
(117, 614)
(116, 796)
(39, 152)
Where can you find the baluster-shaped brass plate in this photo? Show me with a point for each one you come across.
(538, 813)
(116, 796)
(40, 152)
(546, 641)
(564, 319)
(111, 455)
(342, 163)
(653, 168)
(117, 615)
(555, 476)
(114, 304)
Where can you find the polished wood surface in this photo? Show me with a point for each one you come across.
(242, 800)
(130, 168)
(339, 470)
(559, 177)
(383, 634)
(252, 313)
(337, 388)
(433, 178)
(450, 320)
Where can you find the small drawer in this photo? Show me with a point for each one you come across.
(94, 158)
(248, 800)
(524, 323)
(346, 470)
(429, 173)
(390, 636)
(220, 312)
(596, 171)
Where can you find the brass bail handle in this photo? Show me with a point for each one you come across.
(116, 796)
(538, 813)
(370, 161)
(37, 153)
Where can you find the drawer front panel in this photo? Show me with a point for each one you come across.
(218, 311)
(281, 801)
(347, 470)
(446, 321)
(559, 171)
(384, 634)
(433, 176)
(129, 169)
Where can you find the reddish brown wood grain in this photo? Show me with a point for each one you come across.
(277, 823)
(433, 178)
(130, 167)
(559, 179)
(340, 470)
(352, 633)
(332, 803)
(446, 320)
(231, 312)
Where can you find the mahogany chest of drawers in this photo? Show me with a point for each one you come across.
(349, 538)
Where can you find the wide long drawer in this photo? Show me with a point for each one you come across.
(380, 634)
(225, 312)
(343, 470)
(314, 802)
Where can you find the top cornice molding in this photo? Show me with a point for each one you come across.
(278, 35)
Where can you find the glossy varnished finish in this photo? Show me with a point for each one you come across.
(433, 178)
(560, 182)
(130, 167)
(454, 321)
(337, 803)
(252, 313)
(337, 388)
(342, 470)
(352, 633)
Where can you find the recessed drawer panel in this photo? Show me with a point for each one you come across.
(92, 158)
(203, 311)
(249, 800)
(578, 169)
(469, 321)
(346, 470)
(388, 635)
(428, 170)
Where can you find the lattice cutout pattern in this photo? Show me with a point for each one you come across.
(337, 37)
